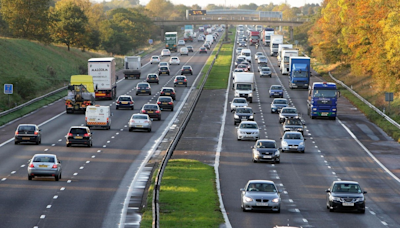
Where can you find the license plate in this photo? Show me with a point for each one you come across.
(293, 146)
(143, 91)
(124, 102)
(164, 103)
(261, 204)
(267, 156)
(167, 94)
(78, 137)
(324, 114)
(163, 72)
(180, 83)
(26, 138)
(139, 125)
(92, 119)
(244, 118)
(348, 204)
(276, 93)
(43, 166)
(150, 112)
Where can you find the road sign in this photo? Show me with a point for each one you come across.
(197, 12)
(389, 97)
(150, 41)
(8, 88)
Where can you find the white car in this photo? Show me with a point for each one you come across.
(258, 54)
(184, 51)
(155, 59)
(293, 141)
(238, 102)
(161, 64)
(248, 130)
(181, 43)
(140, 121)
(174, 60)
(165, 52)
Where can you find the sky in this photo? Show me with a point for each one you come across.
(203, 3)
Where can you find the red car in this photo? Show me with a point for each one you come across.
(244, 67)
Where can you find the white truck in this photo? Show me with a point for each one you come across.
(286, 54)
(98, 116)
(280, 48)
(244, 85)
(266, 36)
(132, 67)
(274, 44)
(209, 38)
(104, 77)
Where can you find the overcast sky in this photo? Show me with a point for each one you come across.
(203, 3)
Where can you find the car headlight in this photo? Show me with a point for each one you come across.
(276, 200)
(251, 117)
(273, 106)
(284, 143)
(236, 116)
(301, 144)
(299, 129)
(359, 199)
(247, 199)
(334, 110)
(332, 198)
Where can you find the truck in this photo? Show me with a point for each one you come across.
(209, 31)
(244, 85)
(104, 77)
(280, 48)
(286, 54)
(188, 35)
(266, 36)
(254, 37)
(259, 28)
(299, 72)
(274, 44)
(201, 29)
(171, 41)
(132, 67)
(322, 100)
(80, 93)
(98, 116)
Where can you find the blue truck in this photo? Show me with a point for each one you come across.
(322, 100)
(299, 72)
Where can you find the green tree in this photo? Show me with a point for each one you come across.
(196, 7)
(160, 8)
(27, 19)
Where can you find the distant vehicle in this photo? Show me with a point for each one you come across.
(287, 112)
(98, 116)
(258, 54)
(186, 69)
(190, 48)
(202, 50)
(174, 60)
(276, 91)
(171, 41)
(244, 85)
(244, 67)
(206, 45)
(254, 37)
(143, 88)
(165, 102)
(238, 102)
(200, 38)
(28, 133)
(240, 59)
(293, 124)
(152, 78)
(265, 71)
(248, 130)
(155, 59)
(184, 51)
(346, 196)
(153, 110)
(260, 195)
(140, 121)
(266, 150)
(293, 141)
(274, 43)
(242, 44)
(132, 67)
(125, 101)
(163, 64)
(299, 72)
(180, 80)
(168, 91)
(322, 100)
(277, 104)
(247, 53)
(104, 77)
(79, 135)
(165, 52)
(44, 165)
(243, 114)
(262, 60)
(247, 64)
(81, 93)
(163, 70)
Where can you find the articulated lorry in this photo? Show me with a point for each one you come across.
(244, 85)
(132, 67)
(80, 93)
(322, 100)
(104, 77)
(280, 48)
(171, 41)
(274, 44)
(286, 54)
(188, 35)
(267, 33)
(299, 72)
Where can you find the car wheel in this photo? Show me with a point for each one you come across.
(159, 118)
(362, 211)
(16, 142)
(303, 151)
(278, 161)
(37, 142)
(133, 107)
(174, 85)
(149, 130)
(130, 129)
(116, 107)
(149, 93)
(90, 144)
(254, 160)
(172, 109)
(331, 210)
(29, 177)
(68, 145)
(136, 94)
(283, 151)
(279, 210)
(57, 178)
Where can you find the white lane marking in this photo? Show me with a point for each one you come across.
(46, 149)
(98, 151)
(104, 146)
(108, 141)
(297, 210)
(285, 192)
(112, 137)
(13, 172)
(319, 151)
(48, 206)
(372, 212)
(62, 189)
(384, 223)
(333, 173)
(117, 133)
(339, 179)
(22, 166)
(53, 144)
(322, 156)
(290, 200)
(60, 140)
(75, 174)
(305, 220)
(87, 162)
(93, 156)
(4, 179)
(81, 167)
(68, 181)
(42, 216)
(329, 167)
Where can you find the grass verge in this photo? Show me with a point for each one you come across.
(188, 197)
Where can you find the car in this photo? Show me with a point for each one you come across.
(140, 121)
(152, 78)
(220, 30)
(266, 150)
(242, 44)
(163, 70)
(243, 114)
(262, 60)
(28, 133)
(163, 64)
(258, 54)
(44, 165)
(265, 72)
(293, 124)
(206, 45)
(260, 195)
(238, 50)
(155, 59)
(276, 91)
(200, 38)
(174, 60)
(165, 52)
(247, 64)
(238, 102)
(240, 39)
(202, 50)
(125, 101)
(278, 103)
(288, 112)
(345, 195)
(190, 48)
(153, 110)
(168, 91)
(293, 141)
(180, 80)
(181, 43)
(186, 69)
(244, 67)
(79, 135)
(165, 102)
(184, 51)
(143, 88)
(248, 130)
(239, 60)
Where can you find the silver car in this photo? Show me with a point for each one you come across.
(262, 60)
(261, 195)
(28, 133)
(248, 130)
(293, 141)
(140, 121)
(44, 165)
(265, 71)
(277, 104)
(258, 54)
(238, 50)
(288, 112)
(293, 124)
(266, 150)
(238, 102)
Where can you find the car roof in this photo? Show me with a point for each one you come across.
(266, 140)
(292, 132)
(345, 182)
(167, 88)
(27, 125)
(275, 85)
(139, 114)
(248, 122)
(289, 108)
(44, 155)
(79, 127)
(180, 76)
(241, 98)
(125, 96)
(261, 181)
(164, 97)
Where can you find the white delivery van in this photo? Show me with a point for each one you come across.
(247, 53)
(210, 38)
(98, 116)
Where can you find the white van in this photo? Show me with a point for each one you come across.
(98, 116)
(247, 53)
(210, 38)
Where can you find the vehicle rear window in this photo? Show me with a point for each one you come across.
(152, 76)
(43, 159)
(26, 128)
(186, 67)
(289, 111)
(164, 99)
(78, 131)
(168, 90)
(125, 99)
(151, 107)
(143, 85)
(180, 78)
(163, 68)
(139, 117)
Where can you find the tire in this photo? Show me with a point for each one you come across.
(362, 211)
(149, 130)
(283, 151)
(57, 178)
(149, 93)
(130, 129)
(133, 107)
(117, 107)
(279, 210)
(254, 161)
(331, 210)
(29, 177)
(90, 144)
(278, 161)
(172, 109)
(174, 85)
(68, 145)
(16, 142)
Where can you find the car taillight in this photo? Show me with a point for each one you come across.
(158, 111)
(117, 102)
(16, 132)
(87, 134)
(31, 166)
(147, 121)
(132, 121)
(54, 166)
(70, 135)
(131, 102)
(172, 92)
(162, 93)
(36, 132)
(85, 118)
(147, 87)
(185, 80)
(170, 103)
(159, 102)
(143, 111)
(108, 119)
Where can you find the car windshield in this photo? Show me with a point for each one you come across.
(265, 69)
(266, 144)
(125, 99)
(26, 128)
(78, 131)
(241, 101)
(244, 110)
(280, 102)
(343, 187)
(289, 110)
(262, 58)
(325, 93)
(243, 87)
(44, 159)
(174, 58)
(276, 88)
(139, 117)
(292, 136)
(152, 76)
(248, 126)
(261, 187)
(293, 122)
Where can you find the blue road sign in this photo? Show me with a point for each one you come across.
(150, 41)
(8, 88)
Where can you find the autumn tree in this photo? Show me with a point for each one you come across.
(160, 8)
(196, 7)
(250, 6)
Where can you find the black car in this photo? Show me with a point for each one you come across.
(243, 114)
(79, 135)
(239, 60)
(125, 101)
(168, 91)
(143, 88)
(207, 46)
(266, 150)
(165, 102)
(345, 195)
(203, 50)
(152, 78)
(180, 81)
(293, 124)
(28, 133)
(153, 110)
(186, 70)
(163, 70)
(190, 48)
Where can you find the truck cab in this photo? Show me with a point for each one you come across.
(244, 85)
(322, 100)
(171, 41)
(300, 72)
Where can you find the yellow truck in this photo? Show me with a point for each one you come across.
(80, 93)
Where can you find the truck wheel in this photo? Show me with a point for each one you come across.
(251, 100)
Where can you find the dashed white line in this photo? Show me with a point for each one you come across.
(62, 189)
(48, 206)
(68, 181)
(42, 216)
(333, 173)
(75, 174)
(55, 197)
(13, 172)
(81, 167)
(305, 220)
(4, 179)
(384, 223)
(46, 149)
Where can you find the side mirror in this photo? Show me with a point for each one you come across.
(242, 189)
(252, 147)
(328, 190)
(305, 139)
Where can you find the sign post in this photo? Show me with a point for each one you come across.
(389, 98)
(8, 89)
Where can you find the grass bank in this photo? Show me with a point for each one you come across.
(188, 197)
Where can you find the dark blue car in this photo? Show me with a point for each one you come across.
(276, 91)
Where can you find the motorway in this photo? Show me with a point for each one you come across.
(335, 150)
(95, 180)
